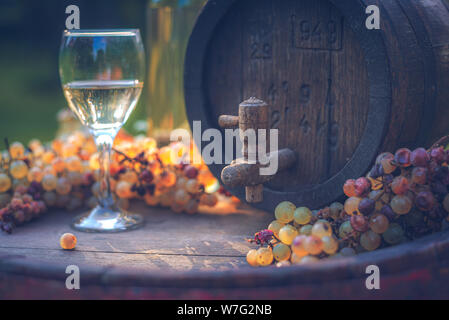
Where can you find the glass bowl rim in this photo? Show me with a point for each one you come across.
(100, 32)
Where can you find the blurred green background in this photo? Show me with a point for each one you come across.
(30, 35)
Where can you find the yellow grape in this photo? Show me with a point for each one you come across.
(298, 246)
(287, 233)
(5, 182)
(47, 157)
(308, 259)
(313, 245)
(67, 241)
(322, 229)
(18, 169)
(306, 230)
(379, 223)
(295, 259)
(281, 252)
(123, 189)
(209, 199)
(17, 150)
(264, 257)
(49, 182)
(74, 164)
(35, 174)
(251, 258)
(63, 186)
(192, 186)
(401, 204)
(352, 206)
(370, 240)
(302, 215)
(151, 200)
(192, 206)
(182, 197)
(129, 176)
(284, 211)
(330, 245)
(177, 207)
(275, 226)
(345, 230)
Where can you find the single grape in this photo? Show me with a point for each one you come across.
(401, 204)
(73, 163)
(345, 230)
(349, 188)
(298, 246)
(388, 212)
(366, 206)
(281, 252)
(209, 199)
(192, 206)
(177, 207)
(151, 200)
(376, 171)
(182, 197)
(287, 233)
(251, 258)
(359, 223)
(370, 240)
(335, 210)
(5, 182)
(67, 241)
(313, 245)
(302, 215)
(419, 157)
(402, 157)
(330, 245)
(123, 189)
(181, 183)
(35, 174)
(419, 175)
(394, 234)
(129, 176)
(386, 161)
(264, 257)
(438, 155)
(308, 259)
(425, 201)
(322, 229)
(284, 211)
(306, 230)
(16, 150)
(347, 252)
(63, 186)
(168, 179)
(352, 205)
(400, 185)
(192, 186)
(362, 186)
(5, 198)
(379, 223)
(49, 182)
(18, 169)
(275, 226)
(190, 172)
(295, 259)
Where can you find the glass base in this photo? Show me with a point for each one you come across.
(106, 220)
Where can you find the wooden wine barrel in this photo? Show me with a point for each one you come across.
(176, 256)
(338, 92)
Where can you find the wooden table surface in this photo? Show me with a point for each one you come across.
(167, 241)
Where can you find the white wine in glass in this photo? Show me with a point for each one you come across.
(102, 73)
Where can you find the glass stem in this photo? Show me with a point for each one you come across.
(104, 145)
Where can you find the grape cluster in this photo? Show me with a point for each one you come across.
(404, 196)
(65, 174)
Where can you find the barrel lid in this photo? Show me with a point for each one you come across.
(328, 92)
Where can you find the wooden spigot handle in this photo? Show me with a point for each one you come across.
(228, 122)
(253, 114)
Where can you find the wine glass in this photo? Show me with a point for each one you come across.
(102, 74)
